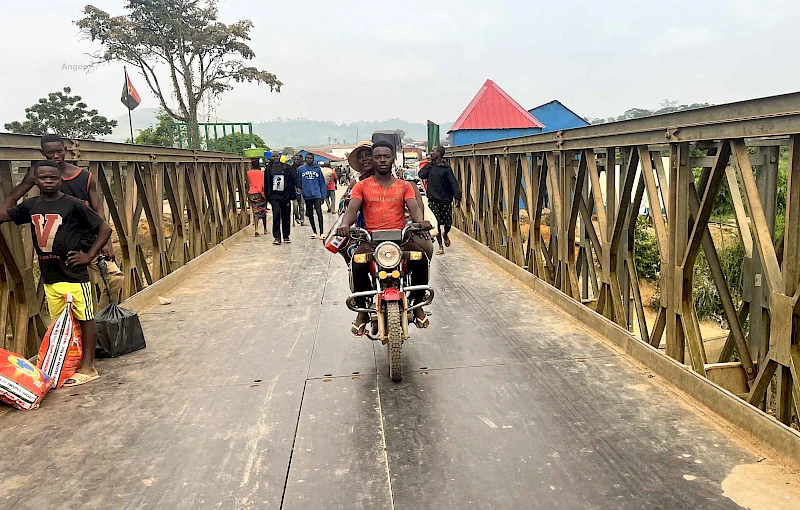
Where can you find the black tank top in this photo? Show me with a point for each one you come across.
(77, 186)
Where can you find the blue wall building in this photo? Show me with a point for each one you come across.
(556, 117)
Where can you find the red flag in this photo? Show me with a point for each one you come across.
(130, 97)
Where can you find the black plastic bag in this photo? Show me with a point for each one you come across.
(118, 329)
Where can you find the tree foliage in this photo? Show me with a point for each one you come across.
(157, 135)
(667, 106)
(200, 56)
(62, 114)
(239, 141)
(289, 151)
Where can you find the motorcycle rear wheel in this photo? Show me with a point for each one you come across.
(394, 345)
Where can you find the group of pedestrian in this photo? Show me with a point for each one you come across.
(297, 191)
(294, 192)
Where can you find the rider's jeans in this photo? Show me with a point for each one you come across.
(419, 270)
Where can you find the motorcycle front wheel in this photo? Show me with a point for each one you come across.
(394, 345)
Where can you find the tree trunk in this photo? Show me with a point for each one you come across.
(193, 131)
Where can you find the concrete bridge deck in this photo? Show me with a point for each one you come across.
(253, 394)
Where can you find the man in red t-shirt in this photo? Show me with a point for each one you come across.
(383, 200)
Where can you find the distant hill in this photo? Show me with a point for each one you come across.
(141, 118)
(293, 132)
(315, 133)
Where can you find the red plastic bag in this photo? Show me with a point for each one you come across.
(22, 385)
(61, 351)
(333, 242)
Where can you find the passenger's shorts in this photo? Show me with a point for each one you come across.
(82, 303)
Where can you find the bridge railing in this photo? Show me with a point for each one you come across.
(675, 165)
(190, 201)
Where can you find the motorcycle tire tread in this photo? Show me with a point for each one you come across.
(394, 345)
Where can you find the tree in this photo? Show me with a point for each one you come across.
(402, 136)
(202, 56)
(288, 151)
(667, 106)
(157, 135)
(232, 140)
(65, 115)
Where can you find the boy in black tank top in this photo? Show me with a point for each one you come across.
(78, 183)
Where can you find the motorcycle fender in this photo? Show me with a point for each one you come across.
(391, 295)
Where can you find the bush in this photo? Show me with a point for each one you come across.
(646, 256)
(706, 296)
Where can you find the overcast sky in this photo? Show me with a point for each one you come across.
(358, 60)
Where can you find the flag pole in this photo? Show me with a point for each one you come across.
(127, 100)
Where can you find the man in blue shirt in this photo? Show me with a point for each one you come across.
(314, 192)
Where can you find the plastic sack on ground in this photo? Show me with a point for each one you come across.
(118, 329)
(61, 351)
(118, 332)
(22, 385)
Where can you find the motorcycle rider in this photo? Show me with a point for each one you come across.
(383, 200)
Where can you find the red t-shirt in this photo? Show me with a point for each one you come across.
(256, 178)
(383, 208)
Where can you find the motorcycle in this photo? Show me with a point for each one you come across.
(388, 305)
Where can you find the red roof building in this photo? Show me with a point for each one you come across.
(492, 115)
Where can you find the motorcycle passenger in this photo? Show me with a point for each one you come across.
(383, 200)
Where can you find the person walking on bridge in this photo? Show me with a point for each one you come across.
(442, 189)
(255, 195)
(313, 193)
(299, 205)
(281, 186)
(330, 186)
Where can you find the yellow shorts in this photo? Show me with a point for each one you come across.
(82, 303)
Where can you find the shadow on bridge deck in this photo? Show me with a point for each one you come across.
(252, 394)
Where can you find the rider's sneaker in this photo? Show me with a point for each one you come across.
(359, 326)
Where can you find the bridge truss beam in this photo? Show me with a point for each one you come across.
(590, 182)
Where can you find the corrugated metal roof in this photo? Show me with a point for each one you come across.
(492, 108)
(325, 155)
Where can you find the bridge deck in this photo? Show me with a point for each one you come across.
(252, 394)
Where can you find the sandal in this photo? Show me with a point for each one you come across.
(421, 322)
(440, 251)
(359, 326)
(78, 379)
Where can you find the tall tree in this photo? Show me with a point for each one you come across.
(288, 151)
(201, 55)
(62, 114)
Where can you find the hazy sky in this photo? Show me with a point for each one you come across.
(357, 60)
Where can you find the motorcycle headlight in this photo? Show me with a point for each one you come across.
(388, 255)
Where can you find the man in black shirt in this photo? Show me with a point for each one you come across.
(442, 189)
(68, 236)
(280, 184)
